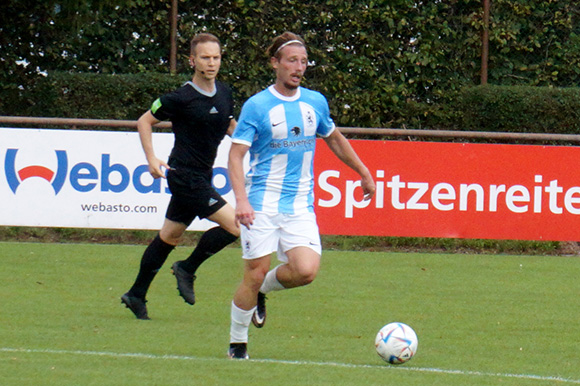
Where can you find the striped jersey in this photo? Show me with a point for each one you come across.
(281, 133)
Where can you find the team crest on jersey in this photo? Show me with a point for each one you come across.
(213, 110)
(309, 118)
(296, 131)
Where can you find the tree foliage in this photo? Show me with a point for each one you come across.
(396, 63)
(535, 42)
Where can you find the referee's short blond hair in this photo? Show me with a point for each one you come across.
(203, 37)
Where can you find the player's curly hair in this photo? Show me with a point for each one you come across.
(203, 37)
(281, 41)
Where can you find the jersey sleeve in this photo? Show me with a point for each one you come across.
(247, 125)
(326, 125)
(165, 107)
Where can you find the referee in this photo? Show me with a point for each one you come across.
(201, 112)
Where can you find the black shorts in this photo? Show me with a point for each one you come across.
(192, 195)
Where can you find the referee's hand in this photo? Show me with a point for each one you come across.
(155, 168)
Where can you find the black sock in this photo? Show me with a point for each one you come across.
(152, 260)
(210, 243)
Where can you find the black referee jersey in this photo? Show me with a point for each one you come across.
(200, 122)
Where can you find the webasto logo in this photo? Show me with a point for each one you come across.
(86, 177)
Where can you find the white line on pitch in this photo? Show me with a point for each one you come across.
(288, 362)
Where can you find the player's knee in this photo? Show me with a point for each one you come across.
(255, 277)
(306, 274)
(309, 278)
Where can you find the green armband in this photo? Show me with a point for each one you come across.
(156, 105)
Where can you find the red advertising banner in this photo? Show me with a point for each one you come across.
(428, 189)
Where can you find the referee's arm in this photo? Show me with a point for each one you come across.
(145, 128)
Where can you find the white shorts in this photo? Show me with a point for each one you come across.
(279, 233)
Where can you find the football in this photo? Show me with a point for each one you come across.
(396, 343)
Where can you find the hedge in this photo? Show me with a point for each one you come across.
(520, 109)
(96, 96)
(480, 108)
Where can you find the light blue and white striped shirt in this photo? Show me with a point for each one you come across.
(281, 133)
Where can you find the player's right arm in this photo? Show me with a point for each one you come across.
(145, 128)
(244, 210)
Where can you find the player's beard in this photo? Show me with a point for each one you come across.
(291, 86)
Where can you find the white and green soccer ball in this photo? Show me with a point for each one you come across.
(396, 343)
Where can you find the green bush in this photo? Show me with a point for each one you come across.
(96, 96)
(520, 109)
(482, 108)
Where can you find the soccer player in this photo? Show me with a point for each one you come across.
(201, 112)
(275, 202)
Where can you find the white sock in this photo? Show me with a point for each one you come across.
(239, 325)
(271, 282)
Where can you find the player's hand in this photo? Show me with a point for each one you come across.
(245, 214)
(368, 186)
(155, 168)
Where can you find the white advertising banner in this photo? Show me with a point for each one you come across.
(88, 179)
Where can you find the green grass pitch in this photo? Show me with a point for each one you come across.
(481, 320)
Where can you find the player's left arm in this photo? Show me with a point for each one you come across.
(344, 151)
